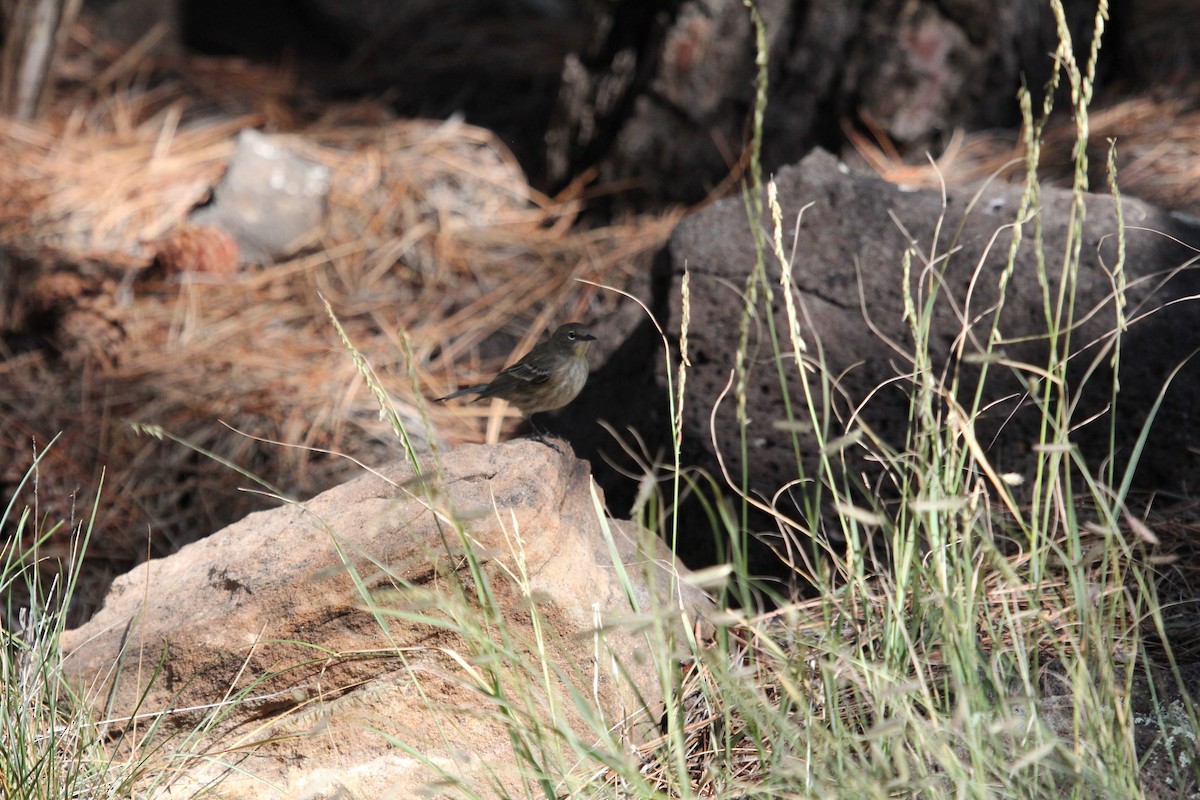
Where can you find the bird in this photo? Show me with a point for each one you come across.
(550, 375)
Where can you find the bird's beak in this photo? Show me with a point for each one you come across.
(587, 337)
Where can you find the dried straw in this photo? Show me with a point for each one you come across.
(1157, 141)
(432, 234)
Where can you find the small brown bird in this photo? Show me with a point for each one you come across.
(551, 375)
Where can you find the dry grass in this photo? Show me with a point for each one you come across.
(1158, 152)
(784, 662)
(432, 234)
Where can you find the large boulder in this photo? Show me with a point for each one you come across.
(662, 98)
(269, 621)
(850, 287)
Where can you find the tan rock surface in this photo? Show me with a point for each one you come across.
(266, 617)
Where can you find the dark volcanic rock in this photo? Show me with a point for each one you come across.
(848, 270)
(665, 94)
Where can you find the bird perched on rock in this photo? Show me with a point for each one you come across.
(551, 375)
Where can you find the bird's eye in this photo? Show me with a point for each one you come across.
(571, 335)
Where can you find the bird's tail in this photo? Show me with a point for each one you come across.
(468, 390)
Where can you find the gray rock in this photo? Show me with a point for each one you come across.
(271, 199)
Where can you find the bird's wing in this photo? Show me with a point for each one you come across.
(468, 390)
(527, 373)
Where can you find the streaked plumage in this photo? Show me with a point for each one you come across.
(551, 375)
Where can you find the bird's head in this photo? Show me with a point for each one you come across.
(573, 336)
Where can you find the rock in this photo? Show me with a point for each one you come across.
(266, 608)
(663, 97)
(848, 273)
(158, 23)
(1160, 724)
(271, 199)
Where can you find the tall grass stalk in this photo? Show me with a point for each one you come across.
(49, 746)
(930, 664)
(959, 643)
